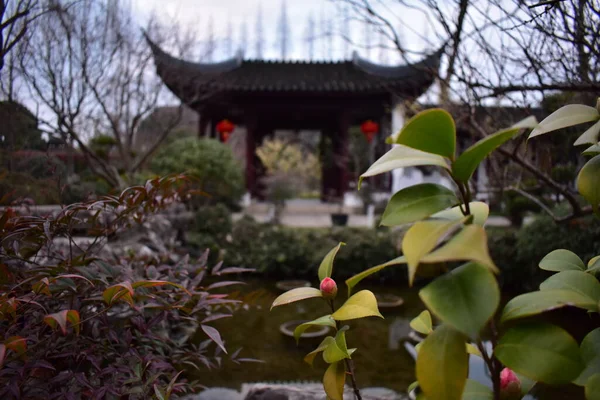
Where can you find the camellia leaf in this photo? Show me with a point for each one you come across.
(588, 182)
(472, 349)
(475, 297)
(590, 136)
(534, 303)
(590, 355)
(334, 380)
(542, 352)
(527, 123)
(569, 115)
(593, 150)
(442, 364)
(417, 202)
(422, 323)
(120, 291)
(297, 294)
(576, 281)
(400, 157)
(470, 244)
(420, 239)
(562, 260)
(432, 131)
(326, 267)
(325, 320)
(336, 350)
(310, 357)
(594, 266)
(353, 281)
(592, 388)
(360, 305)
(60, 319)
(478, 209)
(477, 391)
(469, 160)
(215, 336)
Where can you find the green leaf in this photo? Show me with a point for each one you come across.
(470, 244)
(542, 352)
(475, 297)
(360, 305)
(420, 239)
(590, 136)
(561, 260)
(472, 349)
(422, 323)
(60, 319)
(478, 209)
(325, 320)
(412, 386)
(527, 123)
(310, 357)
(400, 157)
(469, 160)
(477, 391)
(432, 131)
(417, 202)
(337, 349)
(569, 115)
(592, 388)
(17, 344)
(576, 281)
(534, 303)
(590, 354)
(333, 381)
(588, 182)
(326, 267)
(353, 281)
(296, 295)
(593, 266)
(442, 364)
(592, 150)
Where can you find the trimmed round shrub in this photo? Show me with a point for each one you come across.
(209, 161)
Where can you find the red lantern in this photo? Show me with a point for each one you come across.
(225, 127)
(369, 129)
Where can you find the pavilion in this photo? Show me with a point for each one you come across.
(264, 96)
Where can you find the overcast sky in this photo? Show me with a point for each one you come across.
(196, 14)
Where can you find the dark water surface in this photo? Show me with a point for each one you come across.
(381, 358)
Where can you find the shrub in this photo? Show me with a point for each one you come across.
(208, 161)
(76, 324)
(289, 253)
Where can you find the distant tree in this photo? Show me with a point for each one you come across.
(367, 38)
(284, 41)
(243, 43)
(259, 34)
(229, 39)
(210, 43)
(309, 37)
(383, 51)
(90, 69)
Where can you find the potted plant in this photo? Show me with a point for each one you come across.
(339, 218)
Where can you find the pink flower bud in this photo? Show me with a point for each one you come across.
(328, 288)
(510, 385)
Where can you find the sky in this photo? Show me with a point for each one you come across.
(196, 14)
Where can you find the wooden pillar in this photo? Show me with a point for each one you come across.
(202, 124)
(340, 155)
(251, 122)
(327, 164)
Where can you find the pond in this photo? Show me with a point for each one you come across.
(381, 359)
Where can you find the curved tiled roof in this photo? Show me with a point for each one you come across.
(195, 83)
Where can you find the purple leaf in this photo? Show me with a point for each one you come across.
(215, 317)
(214, 335)
(223, 284)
